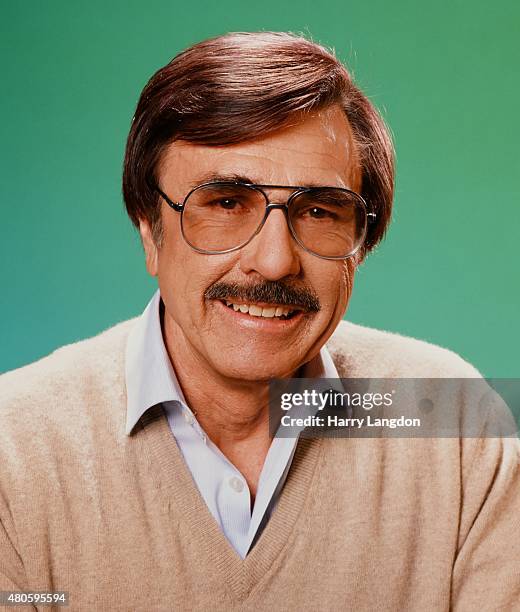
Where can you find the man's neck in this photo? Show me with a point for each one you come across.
(233, 413)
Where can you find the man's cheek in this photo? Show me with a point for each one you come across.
(335, 288)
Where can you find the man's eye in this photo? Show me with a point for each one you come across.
(227, 203)
(231, 204)
(316, 212)
(222, 203)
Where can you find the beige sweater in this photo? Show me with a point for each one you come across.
(362, 524)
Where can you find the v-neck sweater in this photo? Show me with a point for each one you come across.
(366, 524)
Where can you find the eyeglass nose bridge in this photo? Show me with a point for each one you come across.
(274, 206)
(268, 208)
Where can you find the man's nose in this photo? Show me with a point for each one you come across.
(273, 252)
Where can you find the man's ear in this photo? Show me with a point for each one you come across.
(150, 248)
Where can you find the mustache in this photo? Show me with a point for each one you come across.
(273, 292)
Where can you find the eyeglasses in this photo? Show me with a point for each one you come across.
(221, 217)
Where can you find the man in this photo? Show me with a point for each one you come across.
(138, 472)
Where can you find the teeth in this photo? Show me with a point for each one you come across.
(257, 311)
(268, 312)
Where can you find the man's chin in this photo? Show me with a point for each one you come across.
(257, 368)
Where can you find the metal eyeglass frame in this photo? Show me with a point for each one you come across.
(179, 207)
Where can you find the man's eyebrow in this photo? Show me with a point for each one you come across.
(216, 177)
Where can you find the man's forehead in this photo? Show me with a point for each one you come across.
(318, 149)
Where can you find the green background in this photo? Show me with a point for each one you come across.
(444, 74)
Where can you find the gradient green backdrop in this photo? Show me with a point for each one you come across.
(444, 74)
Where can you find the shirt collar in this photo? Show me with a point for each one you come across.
(150, 378)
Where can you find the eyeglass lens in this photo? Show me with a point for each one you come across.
(329, 222)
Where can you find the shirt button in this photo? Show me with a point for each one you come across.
(189, 418)
(236, 484)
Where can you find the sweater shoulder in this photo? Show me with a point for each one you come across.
(55, 381)
(364, 352)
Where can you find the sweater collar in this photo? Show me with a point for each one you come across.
(150, 377)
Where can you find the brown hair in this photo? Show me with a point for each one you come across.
(240, 86)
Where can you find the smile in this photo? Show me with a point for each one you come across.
(268, 312)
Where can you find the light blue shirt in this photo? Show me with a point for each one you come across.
(151, 380)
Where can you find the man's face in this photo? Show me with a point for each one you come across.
(320, 151)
